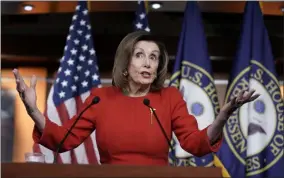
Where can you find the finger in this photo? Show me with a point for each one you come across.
(254, 97)
(233, 101)
(241, 93)
(33, 82)
(240, 96)
(22, 82)
(21, 85)
(16, 75)
(15, 72)
(250, 93)
(247, 97)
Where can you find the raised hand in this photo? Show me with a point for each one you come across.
(242, 98)
(27, 94)
(215, 129)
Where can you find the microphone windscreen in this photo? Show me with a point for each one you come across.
(146, 102)
(96, 100)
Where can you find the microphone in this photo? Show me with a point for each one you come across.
(95, 100)
(147, 103)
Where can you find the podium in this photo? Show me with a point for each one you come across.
(39, 170)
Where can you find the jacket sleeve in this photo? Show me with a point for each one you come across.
(185, 127)
(52, 134)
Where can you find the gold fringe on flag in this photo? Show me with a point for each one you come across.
(146, 3)
(89, 5)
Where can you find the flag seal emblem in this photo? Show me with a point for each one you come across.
(199, 92)
(253, 132)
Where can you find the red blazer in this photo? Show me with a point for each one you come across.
(125, 133)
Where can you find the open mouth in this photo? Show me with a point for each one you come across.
(146, 74)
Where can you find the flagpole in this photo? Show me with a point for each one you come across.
(261, 5)
(146, 4)
(89, 5)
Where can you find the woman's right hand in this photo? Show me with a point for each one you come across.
(27, 94)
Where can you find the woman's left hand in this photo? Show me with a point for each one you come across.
(242, 98)
(215, 129)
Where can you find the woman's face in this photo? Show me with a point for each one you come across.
(144, 63)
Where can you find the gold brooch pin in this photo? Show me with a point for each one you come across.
(151, 121)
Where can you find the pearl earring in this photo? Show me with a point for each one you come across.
(125, 73)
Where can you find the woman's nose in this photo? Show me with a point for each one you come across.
(147, 62)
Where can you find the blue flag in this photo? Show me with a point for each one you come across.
(141, 20)
(253, 144)
(192, 74)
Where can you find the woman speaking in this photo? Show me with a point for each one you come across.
(124, 114)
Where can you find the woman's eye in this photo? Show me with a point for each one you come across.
(153, 57)
(139, 54)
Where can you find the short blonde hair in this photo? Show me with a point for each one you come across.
(123, 57)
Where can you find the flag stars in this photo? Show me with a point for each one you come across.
(79, 32)
(73, 87)
(88, 36)
(61, 59)
(79, 68)
(84, 47)
(147, 29)
(67, 72)
(82, 22)
(82, 58)
(70, 62)
(85, 12)
(95, 77)
(76, 41)
(73, 51)
(92, 51)
(139, 25)
(90, 61)
(142, 16)
(84, 83)
(62, 94)
(76, 78)
(64, 83)
(74, 17)
(87, 73)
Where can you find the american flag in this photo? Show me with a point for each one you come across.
(141, 20)
(78, 73)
